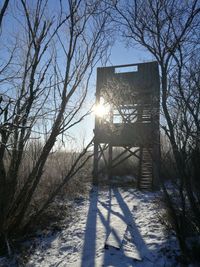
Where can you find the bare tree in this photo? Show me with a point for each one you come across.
(3, 10)
(54, 61)
(169, 31)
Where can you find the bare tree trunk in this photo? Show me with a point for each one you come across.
(2, 11)
(43, 90)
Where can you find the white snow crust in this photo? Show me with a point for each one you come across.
(82, 244)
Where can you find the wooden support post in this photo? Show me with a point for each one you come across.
(140, 167)
(96, 163)
(110, 161)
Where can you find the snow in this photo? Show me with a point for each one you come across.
(129, 215)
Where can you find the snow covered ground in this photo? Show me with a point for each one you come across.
(125, 213)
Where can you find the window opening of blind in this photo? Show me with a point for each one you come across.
(126, 69)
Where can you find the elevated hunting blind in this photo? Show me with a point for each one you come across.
(127, 117)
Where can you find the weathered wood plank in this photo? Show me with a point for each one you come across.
(118, 225)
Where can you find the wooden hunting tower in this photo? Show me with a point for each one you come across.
(130, 100)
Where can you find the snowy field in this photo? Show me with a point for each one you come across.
(126, 218)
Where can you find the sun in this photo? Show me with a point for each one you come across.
(101, 110)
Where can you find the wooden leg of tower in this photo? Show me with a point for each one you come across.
(156, 167)
(140, 167)
(95, 163)
(109, 161)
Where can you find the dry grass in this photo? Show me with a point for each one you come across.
(56, 168)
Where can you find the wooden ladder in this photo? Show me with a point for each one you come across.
(146, 171)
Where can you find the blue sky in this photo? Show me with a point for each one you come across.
(120, 55)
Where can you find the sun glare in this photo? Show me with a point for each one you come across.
(101, 110)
